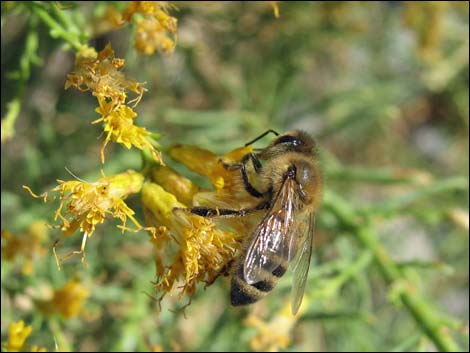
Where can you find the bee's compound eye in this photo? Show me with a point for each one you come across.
(292, 140)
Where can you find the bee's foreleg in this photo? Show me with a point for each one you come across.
(249, 156)
(242, 166)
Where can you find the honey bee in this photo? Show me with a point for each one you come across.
(286, 179)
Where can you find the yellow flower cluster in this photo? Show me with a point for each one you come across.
(273, 335)
(156, 29)
(28, 245)
(88, 204)
(202, 249)
(100, 73)
(67, 301)
(208, 164)
(17, 335)
(119, 127)
(188, 248)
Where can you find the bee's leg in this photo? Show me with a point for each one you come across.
(224, 212)
(261, 136)
(256, 163)
(242, 166)
(224, 271)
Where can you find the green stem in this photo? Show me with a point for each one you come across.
(28, 58)
(8, 122)
(429, 321)
(387, 176)
(60, 14)
(147, 162)
(61, 341)
(438, 187)
(57, 30)
(353, 268)
(426, 317)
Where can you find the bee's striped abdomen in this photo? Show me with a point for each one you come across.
(242, 293)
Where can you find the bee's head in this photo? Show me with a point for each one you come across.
(294, 141)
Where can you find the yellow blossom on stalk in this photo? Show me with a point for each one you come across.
(99, 73)
(27, 245)
(174, 183)
(67, 301)
(17, 335)
(88, 204)
(119, 127)
(152, 36)
(274, 335)
(158, 9)
(156, 30)
(228, 183)
(201, 250)
(208, 164)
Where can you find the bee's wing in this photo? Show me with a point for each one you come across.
(273, 239)
(305, 237)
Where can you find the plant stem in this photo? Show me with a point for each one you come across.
(426, 317)
(28, 58)
(8, 122)
(57, 30)
(370, 175)
(396, 204)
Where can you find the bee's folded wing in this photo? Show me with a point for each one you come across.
(305, 237)
(274, 239)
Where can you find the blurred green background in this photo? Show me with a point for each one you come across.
(383, 88)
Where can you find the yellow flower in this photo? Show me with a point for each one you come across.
(17, 335)
(159, 9)
(99, 72)
(188, 248)
(208, 164)
(176, 184)
(201, 250)
(67, 301)
(274, 334)
(27, 245)
(156, 30)
(119, 127)
(88, 204)
(151, 36)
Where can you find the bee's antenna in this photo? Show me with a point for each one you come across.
(261, 136)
